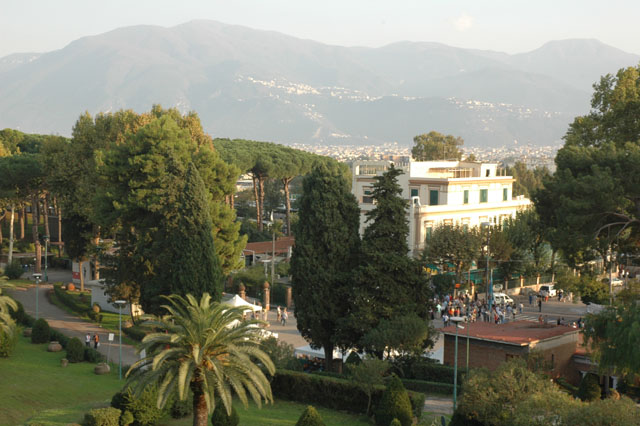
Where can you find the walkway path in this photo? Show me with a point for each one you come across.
(67, 323)
(438, 405)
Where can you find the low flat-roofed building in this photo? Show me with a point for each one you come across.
(492, 344)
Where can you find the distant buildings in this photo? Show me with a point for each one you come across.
(449, 192)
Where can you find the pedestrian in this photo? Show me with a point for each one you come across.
(87, 340)
(520, 308)
(558, 321)
(96, 341)
(285, 317)
(540, 305)
(279, 314)
(530, 299)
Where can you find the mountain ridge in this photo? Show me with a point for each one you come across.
(261, 84)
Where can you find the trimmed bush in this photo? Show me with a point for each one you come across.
(137, 333)
(428, 387)
(353, 358)
(126, 418)
(19, 315)
(59, 337)
(75, 350)
(395, 422)
(181, 409)
(93, 356)
(395, 404)
(41, 332)
(589, 389)
(330, 392)
(221, 418)
(102, 417)
(14, 270)
(310, 417)
(418, 368)
(142, 407)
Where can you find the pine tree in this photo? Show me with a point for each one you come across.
(325, 254)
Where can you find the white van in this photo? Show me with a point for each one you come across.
(502, 299)
(548, 290)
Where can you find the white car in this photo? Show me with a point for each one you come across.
(548, 290)
(502, 299)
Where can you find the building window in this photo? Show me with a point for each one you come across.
(466, 196)
(484, 195)
(428, 232)
(433, 197)
(505, 194)
(367, 197)
(414, 192)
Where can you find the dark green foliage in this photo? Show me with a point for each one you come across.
(395, 404)
(41, 331)
(333, 393)
(108, 416)
(353, 358)
(20, 316)
(310, 417)
(589, 389)
(428, 387)
(182, 408)
(187, 262)
(453, 244)
(144, 408)
(405, 334)
(436, 146)
(71, 302)
(93, 356)
(324, 256)
(135, 332)
(281, 353)
(388, 283)
(221, 418)
(395, 422)
(14, 270)
(419, 368)
(55, 335)
(75, 350)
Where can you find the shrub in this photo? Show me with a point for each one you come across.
(102, 417)
(395, 422)
(221, 418)
(395, 404)
(310, 417)
(330, 392)
(41, 331)
(281, 353)
(353, 358)
(19, 315)
(419, 368)
(182, 408)
(8, 342)
(93, 356)
(59, 337)
(143, 406)
(428, 387)
(14, 270)
(75, 350)
(126, 418)
(589, 389)
(135, 332)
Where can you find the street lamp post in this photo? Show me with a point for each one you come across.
(489, 278)
(37, 276)
(120, 303)
(46, 253)
(456, 321)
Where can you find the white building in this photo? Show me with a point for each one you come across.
(450, 192)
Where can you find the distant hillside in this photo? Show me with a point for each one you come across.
(246, 83)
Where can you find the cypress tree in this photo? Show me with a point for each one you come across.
(324, 256)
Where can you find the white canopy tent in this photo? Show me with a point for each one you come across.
(237, 301)
(318, 353)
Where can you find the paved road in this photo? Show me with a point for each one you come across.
(70, 325)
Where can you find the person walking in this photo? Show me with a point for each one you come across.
(540, 305)
(87, 340)
(279, 314)
(285, 317)
(530, 299)
(96, 341)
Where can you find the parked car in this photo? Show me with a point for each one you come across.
(502, 299)
(548, 290)
(617, 282)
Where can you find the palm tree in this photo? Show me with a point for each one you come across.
(7, 325)
(206, 348)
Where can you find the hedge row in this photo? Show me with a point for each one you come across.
(332, 392)
(22, 318)
(430, 371)
(410, 384)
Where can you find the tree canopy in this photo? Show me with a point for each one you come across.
(436, 146)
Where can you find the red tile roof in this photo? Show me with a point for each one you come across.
(265, 247)
(519, 333)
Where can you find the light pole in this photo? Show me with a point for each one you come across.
(489, 279)
(456, 321)
(37, 276)
(120, 303)
(468, 327)
(46, 253)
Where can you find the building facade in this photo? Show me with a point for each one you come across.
(442, 192)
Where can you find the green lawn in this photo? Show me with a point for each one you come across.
(35, 389)
(17, 283)
(32, 380)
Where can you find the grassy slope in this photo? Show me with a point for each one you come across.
(35, 389)
(33, 380)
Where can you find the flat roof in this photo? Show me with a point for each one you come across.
(521, 333)
(265, 247)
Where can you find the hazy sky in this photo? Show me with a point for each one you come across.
(505, 25)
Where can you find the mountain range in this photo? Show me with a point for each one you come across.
(264, 85)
